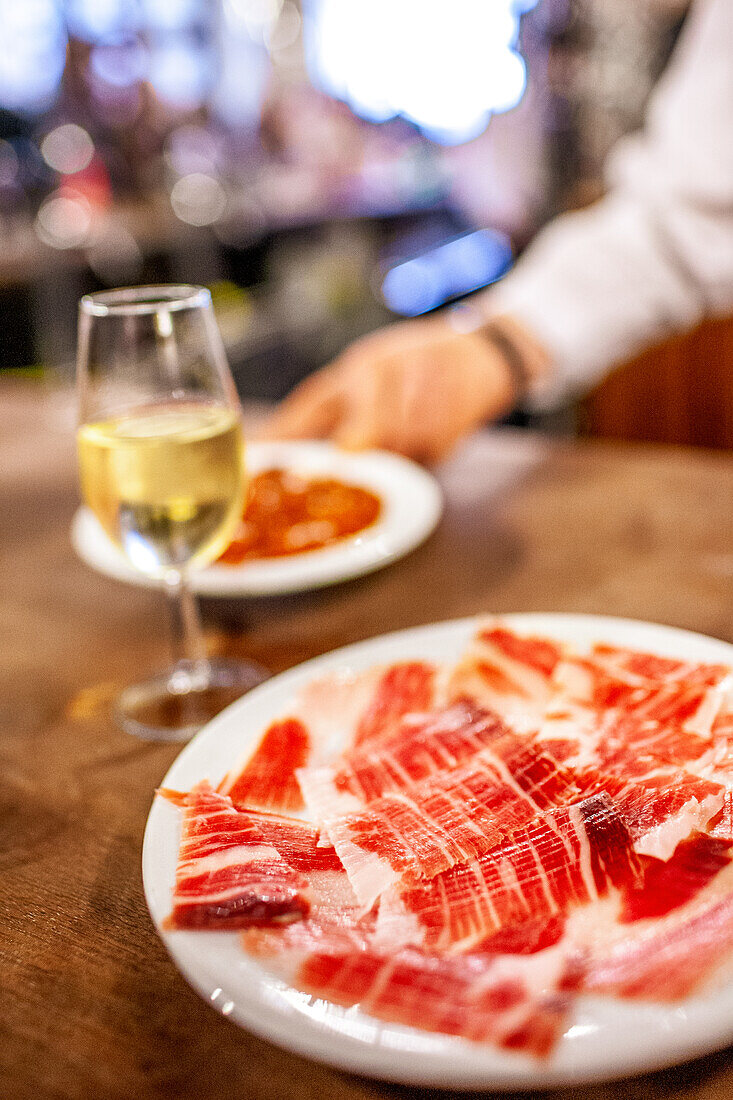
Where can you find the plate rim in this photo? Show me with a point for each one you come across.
(389, 1061)
(383, 542)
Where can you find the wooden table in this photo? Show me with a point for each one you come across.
(91, 1004)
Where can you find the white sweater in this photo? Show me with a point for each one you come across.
(656, 254)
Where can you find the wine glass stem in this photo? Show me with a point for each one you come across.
(188, 635)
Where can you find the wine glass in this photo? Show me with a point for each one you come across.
(161, 460)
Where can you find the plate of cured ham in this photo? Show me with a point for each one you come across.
(316, 515)
(484, 853)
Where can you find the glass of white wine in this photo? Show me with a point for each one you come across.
(161, 459)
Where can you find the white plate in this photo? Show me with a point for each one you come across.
(411, 507)
(606, 1039)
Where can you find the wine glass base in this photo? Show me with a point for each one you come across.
(175, 704)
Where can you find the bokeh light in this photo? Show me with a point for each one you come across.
(102, 21)
(446, 68)
(198, 199)
(465, 264)
(285, 31)
(32, 53)
(64, 221)
(114, 255)
(194, 149)
(67, 149)
(257, 16)
(119, 66)
(171, 15)
(180, 72)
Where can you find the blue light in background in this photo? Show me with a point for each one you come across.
(112, 21)
(459, 266)
(446, 68)
(172, 15)
(102, 21)
(32, 53)
(243, 61)
(119, 66)
(181, 72)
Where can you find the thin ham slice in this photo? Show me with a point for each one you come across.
(229, 874)
(668, 885)
(454, 816)
(507, 672)
(661, 808)
(646, 743)
(565, 858)
(526, 937)
(267, 781)
(402, 689)
(332, 705)
(657, 729)
(329, 712)
(664, 958)
(422, 746)
(335, 923)
(645, 666)
(526, 651)
(718, 764)
(517, 1004)
(633, 721)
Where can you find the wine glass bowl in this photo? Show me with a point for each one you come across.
(165, 481)
(161, 459)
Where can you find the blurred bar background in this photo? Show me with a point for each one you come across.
(302, 160)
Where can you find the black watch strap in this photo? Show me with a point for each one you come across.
(466, 318)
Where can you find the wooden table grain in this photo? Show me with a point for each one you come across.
(92, 1007)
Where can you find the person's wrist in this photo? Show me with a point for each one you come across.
(525, 360)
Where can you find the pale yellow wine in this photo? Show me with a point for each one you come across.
(166, 482)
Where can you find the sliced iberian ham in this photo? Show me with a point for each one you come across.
(722, 730)
(337, 924)
(237, 868)
(427, 827)
(646, 743)
(330, 711)
(618, 716)
(668, 885)
(635, 727)
(663, 958)
(519, 1003)
(527, 652)
(516, 1004)
(507, 672)
(660, 808)
(526, 937)
(332, 705)
(421, 746)
(565, 858)
(633, 663)
(402, 689)
(267, 781)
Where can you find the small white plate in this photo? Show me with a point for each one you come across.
(412, 503)
(605, 1039)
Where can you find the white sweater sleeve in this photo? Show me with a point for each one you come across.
(656, 254)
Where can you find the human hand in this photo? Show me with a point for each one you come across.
(416, 387)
